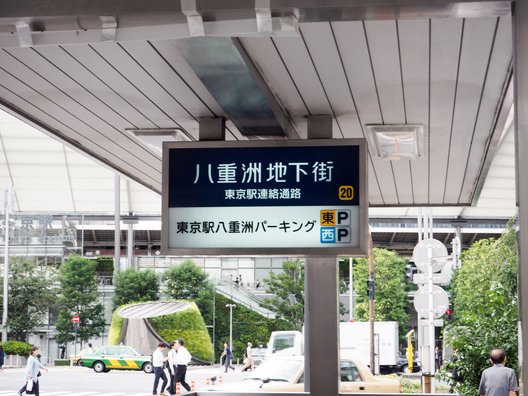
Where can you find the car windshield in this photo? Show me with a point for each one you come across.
(128, 351)
(277, 370)
(117, 351)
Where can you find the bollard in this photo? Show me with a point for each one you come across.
(220, 379)
(193, 386)
(207, 381)
(178, 388)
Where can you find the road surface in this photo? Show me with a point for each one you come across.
(82, 381)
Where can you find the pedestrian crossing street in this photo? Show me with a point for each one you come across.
(68, 393)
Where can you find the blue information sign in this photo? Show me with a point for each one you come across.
(272, 197)
(264, 176)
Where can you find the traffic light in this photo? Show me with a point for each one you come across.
(370, 288)
(449, 312)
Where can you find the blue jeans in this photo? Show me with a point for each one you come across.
(227, 364)
(159, 373)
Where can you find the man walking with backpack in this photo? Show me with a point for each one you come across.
(228, 357)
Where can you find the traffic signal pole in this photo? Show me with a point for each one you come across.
(429, 377)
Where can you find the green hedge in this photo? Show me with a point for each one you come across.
(116, 327)
(188, 325)
(104, 264)
(62, 362)
(16, 348)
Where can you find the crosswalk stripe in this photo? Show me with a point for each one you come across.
(85, 393)
(111, 394)
(56, 393)
(68, 393)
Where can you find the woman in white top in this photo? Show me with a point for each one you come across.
(32, 371)
(248, 360)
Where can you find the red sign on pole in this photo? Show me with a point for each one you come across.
(75, 319)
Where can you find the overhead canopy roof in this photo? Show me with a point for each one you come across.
(87, 79)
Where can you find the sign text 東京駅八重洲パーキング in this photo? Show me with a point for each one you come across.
(265, 195)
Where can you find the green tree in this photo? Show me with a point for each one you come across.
(185, 281)
(248, 326)
(485, 308)
(287, 288)
(391, 287)
(132, 285)
(78, 296)
(30, 295)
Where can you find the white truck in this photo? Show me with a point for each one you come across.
(354, 338)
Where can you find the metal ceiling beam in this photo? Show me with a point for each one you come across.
(308, 11)
(493, 144)
(52, 22)
(231, 77)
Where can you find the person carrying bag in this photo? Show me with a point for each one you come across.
(32, 373)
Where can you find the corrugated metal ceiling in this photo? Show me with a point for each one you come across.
(449, 74)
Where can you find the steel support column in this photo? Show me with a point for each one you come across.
(520, 65)
(117, 221)
(321, 331)
(321, 336)
(130, 246)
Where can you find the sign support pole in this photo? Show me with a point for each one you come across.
(321, 336)
(75, 342)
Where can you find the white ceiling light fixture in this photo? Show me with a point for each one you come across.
(397, 141)
(154, 138)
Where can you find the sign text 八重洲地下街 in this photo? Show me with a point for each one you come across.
(272, 197)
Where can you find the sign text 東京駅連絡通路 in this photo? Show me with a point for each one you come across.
(293, 196)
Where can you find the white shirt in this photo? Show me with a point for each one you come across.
(157, 358)
(172, 358)
(183, 357)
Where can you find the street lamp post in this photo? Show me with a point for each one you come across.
(7, 207)
(230, 306)
(351, 288)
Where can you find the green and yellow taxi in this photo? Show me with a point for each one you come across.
(117, 357)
